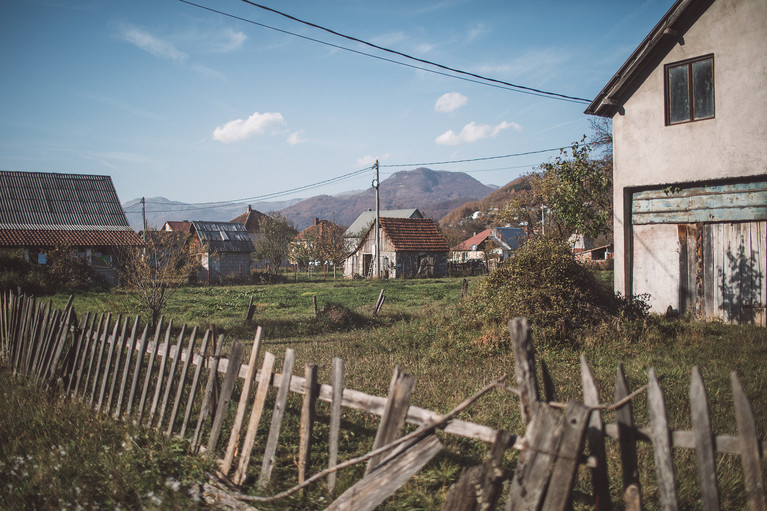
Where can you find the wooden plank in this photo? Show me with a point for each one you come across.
(307, 422)
(225, 395)
(337, 382)
(626, 436)
(279, 411)
(75, 354)
(575, 425)
(704, 442)
(480, 487)
(108, 365)
(242, 406)
(149, 370)
(524, 368)
(195, 383)
(393, 418)
(540, 446)
(664, 461)
(749, 445)
(372, 490)
(208, 396)
(83, 349)
(129, 349)
(119, 348)
(600, 483)
(92, 357)
(255, 418)
(137, 370)
(160, 375)
(182, 381)
(249, 314)
(176, 356)
(97, 369)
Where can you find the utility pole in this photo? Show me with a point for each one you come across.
(376, 185)
(143, 215)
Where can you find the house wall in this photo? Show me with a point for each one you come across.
(733, 144)
(230, 265)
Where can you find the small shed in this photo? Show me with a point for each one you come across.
(410, 247)
(224, 248)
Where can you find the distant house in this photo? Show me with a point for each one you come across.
(490, 247)
(690, 161)
(224, 249)
(40, 211)
(172, 226)
(363, 222)
(251, 219)
(409, 247)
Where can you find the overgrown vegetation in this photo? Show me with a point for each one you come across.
(64, 271)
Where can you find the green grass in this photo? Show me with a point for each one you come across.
(420, 330)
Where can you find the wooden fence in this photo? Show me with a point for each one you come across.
(164, 381)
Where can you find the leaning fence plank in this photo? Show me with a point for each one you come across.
(107, 366)
(225, 395)
(137, 370)
(176, 354)
(85, 349)
(91, 360)
(119, 349)
(307, 421)
(279, 411)
(372, 490)
(575, 425)
(195, 382)
(704, 442)
(242, 406)
(160, 375)
(149, 370)
(77, 353)
(524, 367)
(337, 377)
(749, 447)
(257, 410)
(661, 441)
(632, 495)
(182, 381)
(208, 396)
(600, 483)
(97, 369)
(129, 349)
(393, 418)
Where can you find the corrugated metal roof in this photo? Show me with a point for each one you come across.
(223, 236)
(59, 202)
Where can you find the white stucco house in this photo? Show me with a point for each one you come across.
(690, 161)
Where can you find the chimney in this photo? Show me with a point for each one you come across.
(316, 221)
(249, 210)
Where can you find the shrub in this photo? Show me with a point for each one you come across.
(545, 283)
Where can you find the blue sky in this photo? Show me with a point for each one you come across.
(173, 100)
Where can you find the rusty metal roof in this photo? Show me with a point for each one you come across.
(59, 202)
(222, 236)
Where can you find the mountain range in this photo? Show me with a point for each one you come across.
(435, 193)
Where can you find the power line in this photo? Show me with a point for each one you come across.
(475, 159)
(488, 81)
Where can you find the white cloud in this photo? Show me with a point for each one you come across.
(240, 129)
(151, 44)
(473, 132)
(450, 102)
(296, 138)
(228, 40)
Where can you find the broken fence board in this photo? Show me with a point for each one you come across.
(279, 411)
(393, 418)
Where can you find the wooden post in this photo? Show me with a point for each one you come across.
(393, 418)
(600, 482)
(337, 377)
(279, 411)
(314, 301)
(257, 410)
(234, 435)
(311, 390)
(524, 368)
(249, 315)
(749, 447)
(705, 449)
(661, 441)
(379, 302)
(632, 495)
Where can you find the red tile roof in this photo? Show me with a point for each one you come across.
(51, 238)
(251, 219)
(183, 227)
(477, 239)
(414, 234)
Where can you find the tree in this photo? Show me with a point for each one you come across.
(274, 245)
(331, 245)
(155, 271)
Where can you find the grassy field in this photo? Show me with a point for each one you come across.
(420, 331)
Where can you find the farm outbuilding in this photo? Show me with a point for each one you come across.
(224, 249)
(690, 162)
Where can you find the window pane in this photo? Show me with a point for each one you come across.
(703, 88)
(678, 94)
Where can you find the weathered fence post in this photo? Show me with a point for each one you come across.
(632, 495)
(307, 421)
(661, 441)
(705, 449)
(337, 377)
(279, 412)
(524, 368)
(600, 483)
(225, 395)
(393, 418)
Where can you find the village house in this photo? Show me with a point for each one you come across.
(40, 211)
(489, 247)
(251, 219)
(363, 222)
(409, 247)
(690, 161)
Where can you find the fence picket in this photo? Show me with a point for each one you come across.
(661, 441)
(337, 381)
(75, 354)
(749, 447)
(176, 355)
(600, 483)
(182, 381)
(624, 415)
(704, 442)
(137, 370)
(307, 421)
(195, 382)
(280, 403)
(524, 368)
(393, 418)
(97, 368)
(208, 396)
(158, 386)
(83, 353)
(225, 395)
(129, 350)
(92, 359)
(120, 347)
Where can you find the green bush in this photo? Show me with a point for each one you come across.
(544, 283)
(64, 272)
